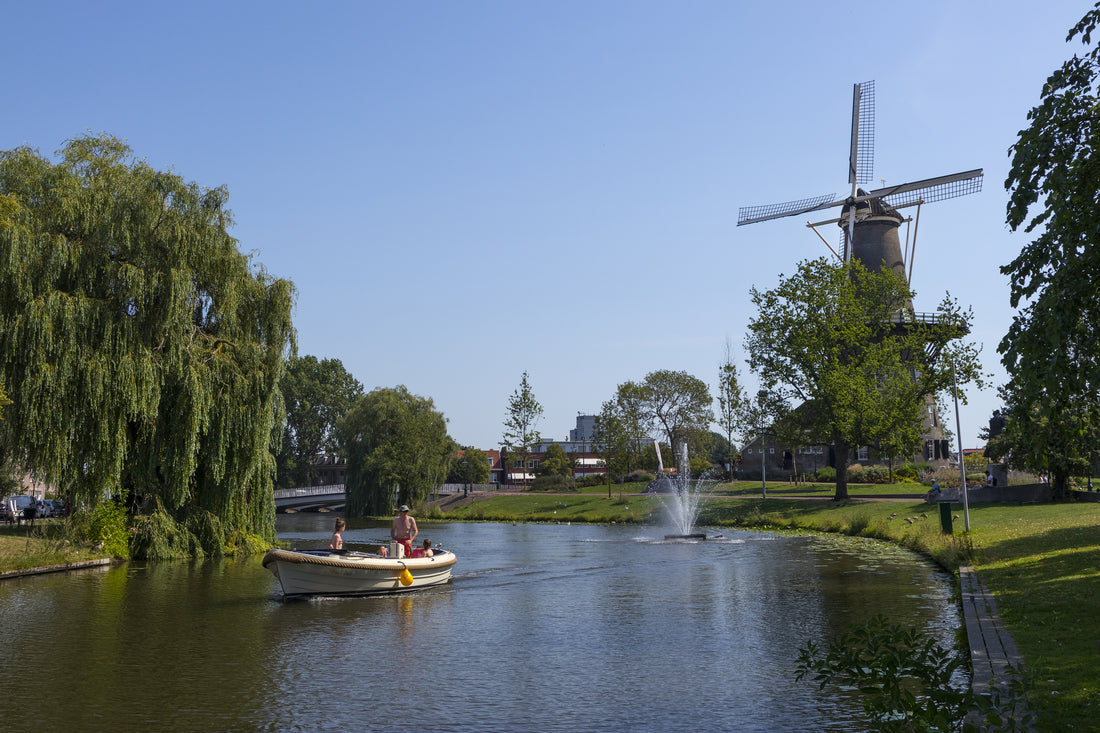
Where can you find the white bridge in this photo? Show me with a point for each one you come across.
(310, 498)
(331, 496)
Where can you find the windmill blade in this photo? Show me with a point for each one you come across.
(930, 189)
(861, 154)
(753, 214)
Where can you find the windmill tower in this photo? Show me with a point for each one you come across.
(870, 223)
(870, 219)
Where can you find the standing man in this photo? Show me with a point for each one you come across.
(404, 529)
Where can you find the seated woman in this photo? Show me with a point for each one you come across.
(423, 551)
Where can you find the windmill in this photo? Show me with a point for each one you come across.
(870, 219)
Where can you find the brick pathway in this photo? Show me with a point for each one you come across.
(992, 650)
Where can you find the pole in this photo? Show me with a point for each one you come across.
(962, 463)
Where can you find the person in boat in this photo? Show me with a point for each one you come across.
(404, 529)
(424, 551)
(337, 542)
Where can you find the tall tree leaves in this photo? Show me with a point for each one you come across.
(141, 349)
(1050, 350)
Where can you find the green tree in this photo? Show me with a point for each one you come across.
(470, 467)
(680, 403)
(831, 335)
(317, 393)
(1051, 350)
(731, 408)
(520, 426)
(555, 462)
(142, 350)
(611, 440)
(397, 449)
(631, 409)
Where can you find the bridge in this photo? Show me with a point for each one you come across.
(330, 497)
(310, 498)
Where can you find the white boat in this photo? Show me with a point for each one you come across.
(345, 573)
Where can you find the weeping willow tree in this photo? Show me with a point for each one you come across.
(141, 350)
(397, 448)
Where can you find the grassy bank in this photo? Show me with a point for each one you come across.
(1039, 560)
(41, 545)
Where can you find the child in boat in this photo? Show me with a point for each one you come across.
(337, 542)
(424, 551)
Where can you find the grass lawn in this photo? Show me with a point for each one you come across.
(24, 546)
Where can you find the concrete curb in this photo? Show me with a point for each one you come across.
(55, 568)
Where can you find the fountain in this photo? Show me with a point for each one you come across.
(683, 498)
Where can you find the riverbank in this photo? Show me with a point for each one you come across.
(29, 549)
(1038, 560)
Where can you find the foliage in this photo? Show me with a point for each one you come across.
(555, 462)
(611, 440)
(520, 426)
(1051, 350)
(679, 403)
(975, 462)
(731, 409)
(552, 482)
(825, 473)
(869, 474)
(829, 336)
(4, 401)
(317, 393)
(106, 527)
(904, 677)
(142, 350)
(471, 467)
(397, 449)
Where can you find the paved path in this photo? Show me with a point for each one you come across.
(993, 653)
(992, 650)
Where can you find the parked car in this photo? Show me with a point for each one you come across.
(47, 508)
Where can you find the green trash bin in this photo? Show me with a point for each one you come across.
(945, 517)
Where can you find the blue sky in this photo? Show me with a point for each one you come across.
(462, 191)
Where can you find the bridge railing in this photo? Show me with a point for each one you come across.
(309, 491)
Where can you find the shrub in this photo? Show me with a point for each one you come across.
(906, 680)
(825, 474)
(552, 483)
(643, 477)
(105, 527)
(869, 474)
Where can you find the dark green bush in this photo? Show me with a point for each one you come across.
(868, 474)
(552, 483)
(825, 474)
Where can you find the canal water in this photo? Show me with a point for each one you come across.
(544, 628)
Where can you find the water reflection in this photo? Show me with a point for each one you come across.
(544, 627)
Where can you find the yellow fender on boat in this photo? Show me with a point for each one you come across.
(406, 577)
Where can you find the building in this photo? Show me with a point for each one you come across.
(778, 460)
(579, 446)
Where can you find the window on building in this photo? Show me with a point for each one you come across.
(862, 452)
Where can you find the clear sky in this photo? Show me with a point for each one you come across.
(464, 190)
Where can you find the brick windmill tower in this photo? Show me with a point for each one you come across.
(870, 222)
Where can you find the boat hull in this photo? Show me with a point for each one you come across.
(355, 574)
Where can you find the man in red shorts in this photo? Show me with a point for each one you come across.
(404, 529)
